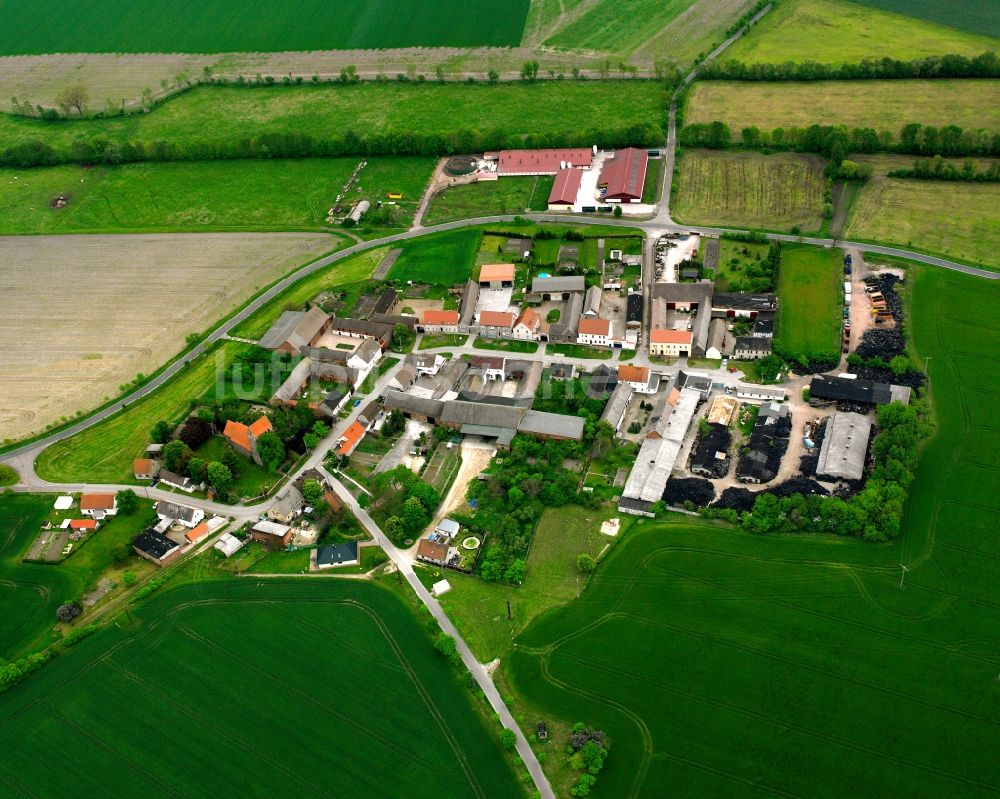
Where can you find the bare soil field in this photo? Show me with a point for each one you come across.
(85, 314)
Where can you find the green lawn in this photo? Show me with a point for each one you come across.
(651, 189)
(297, 562)
(251, 480)
(337, 654)
(722, 663)
(738, 261)
(810, 301)
(842, 32)
(8, 476)
(31, 592)
(580, 351)
(503, 196)
(351, 271)
(442, 259)
(505, 345)
(197, 196)
(430, 341)
(224, 117)
(224, 26)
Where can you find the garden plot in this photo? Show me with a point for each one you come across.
(85, 314)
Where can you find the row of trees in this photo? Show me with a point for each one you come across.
(937, 168)
(293, 144)
(985, 65)
(916, 139)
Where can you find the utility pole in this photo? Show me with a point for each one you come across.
(902, 576)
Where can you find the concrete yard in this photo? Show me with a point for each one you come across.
(85, 314)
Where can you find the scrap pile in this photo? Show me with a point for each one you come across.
(688, 489)
(738, 499)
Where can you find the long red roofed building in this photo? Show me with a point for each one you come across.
(542, 162)
(565, 189)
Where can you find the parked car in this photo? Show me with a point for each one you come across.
(357, 402)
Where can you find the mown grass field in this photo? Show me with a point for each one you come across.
(628, 26)
(198, 196)
(748, 189)
(727, 664)
(505, 196)
(229, 115)
(882, 105)
(225, 26)
(974, 16)
(949, 218)
(843, 32)
(337, 655)
(442, 259)
(810, 299)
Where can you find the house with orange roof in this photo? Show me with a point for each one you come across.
(528, 325)
(83, 524)
(97, 506)
(439, 322)
(595, 332)
(243, 438)
(145, 468)
(495, 324)
(496, 276)
(639, 378)
(670, 343)
(351, 438)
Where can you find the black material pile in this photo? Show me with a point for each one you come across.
(797, 485)
(688, 489)
(703, 461)
(881, 343)
(810, 460)
(738, 499)
(882, 375)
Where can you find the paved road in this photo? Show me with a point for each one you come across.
(405, 566)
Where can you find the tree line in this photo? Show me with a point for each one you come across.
(828, 140)
(937, 168)
(985, 65)
(101, 149)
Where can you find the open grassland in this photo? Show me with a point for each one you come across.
(504, 196)
(761, 191)
(339, 655)
(949, 218)
(31, 592)
(810, 299)
(443, 259)
(879, 104)
(843, 32)
(85, 314)
(226, 116)
(974, 16)
(119, 26)
(727, 664)
(627, 25)
(196, 196)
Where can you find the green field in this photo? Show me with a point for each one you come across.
(810, 299)
(969, 15)
(442, 259)
(337, 655)
(725, 664)
(604, 22)
(504, 196)
(226, 117)
(842, 32)
(949, 218)
(198, 196)
(735, 189)
(879, 104)
(117, 26)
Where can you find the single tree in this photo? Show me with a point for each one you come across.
(219, 477)
(271, 450)
(312, 492)
(508, 739)
(160, 433)
(585, 563)
(127, 501)
(176, 455)
(73, 98)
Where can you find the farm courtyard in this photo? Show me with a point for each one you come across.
(85, 314)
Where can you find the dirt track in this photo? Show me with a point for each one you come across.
(84, 314)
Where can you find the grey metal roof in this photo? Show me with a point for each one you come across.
(279, 332)
(745, 301)
(467, 307)
(173, 510)
(657, 456)
(325, 354)
(410, 403)
(552, 424)
(592, 303)
(360, 326)
(549, 284)
(617, 404)
(290, 389)
(288, 501)
(845, 442)
(684, 292)
(481, 413)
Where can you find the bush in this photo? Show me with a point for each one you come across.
(508, 739)
(76, 636)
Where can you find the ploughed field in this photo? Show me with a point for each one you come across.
(85, 314)
(877, 104)
(749, 189)
(249, 687)
(219, 26)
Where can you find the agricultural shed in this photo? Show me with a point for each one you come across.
(565, 189)
(228, 544)
(296, 329)
(592, 302)
(845, 444)
(155, 546)
(614, 411)
(558, 285)
(542, 161)
(554, 426)
(624, 175)
(857, 390)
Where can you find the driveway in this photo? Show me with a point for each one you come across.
(399, 455)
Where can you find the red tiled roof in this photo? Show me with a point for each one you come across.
(83, 524)
(197, 532)
(566, 187)
(625, 174)
(261, 426)
(142, 466)
(238, 433)
(97, 502)
(489, 272)
(660, 336)
(633, 374)
(595, 327)
(529, 318)
(350, 439)
(432, 549)
(496, 319)
(440, 318)
(528, 162)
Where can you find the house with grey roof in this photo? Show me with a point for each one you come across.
(558, 287)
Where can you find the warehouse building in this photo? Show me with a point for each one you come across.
(857, 391)
(624, 176)
(541, 162)
(845, 445)
(565, 189)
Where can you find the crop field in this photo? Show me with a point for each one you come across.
(337, 655)
(842, 32)
(442, 259)
(197, 196)
(882, 105)
(85, 314)
(727, 664)
(809, 302)
(224, 26)
(949, 218)
(969, 15)
(229, 115)
(761, 191)
(504, 196)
